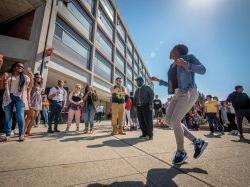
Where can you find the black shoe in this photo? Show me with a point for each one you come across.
(242, 137)
(180, 157)
(199, 147)
(56, 130)
(50, 131)
(142, 137)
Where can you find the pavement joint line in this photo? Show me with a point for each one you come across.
(179, 169)
(57, 165)
(102, 179)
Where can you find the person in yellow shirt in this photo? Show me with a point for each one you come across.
(212, 114)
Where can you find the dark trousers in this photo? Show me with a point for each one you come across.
(145, 117)
(214, 120)
(232, 125)
(56, 109)
(240, 114)
(99, 116)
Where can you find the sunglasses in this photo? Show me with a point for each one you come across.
(20, 66)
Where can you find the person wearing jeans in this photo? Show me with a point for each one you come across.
(181, 83)
(90, 96)
(45, 108)
(58, 95)
(17, 85)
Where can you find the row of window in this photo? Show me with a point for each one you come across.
(73, 40)
(77, 43)
(104, 43)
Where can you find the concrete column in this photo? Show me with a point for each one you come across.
(46, 27)
(93, 35)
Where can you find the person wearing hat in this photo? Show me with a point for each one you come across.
(117, 107)
(58, 95)
(143, 100)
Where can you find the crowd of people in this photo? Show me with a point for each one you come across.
(23, 98)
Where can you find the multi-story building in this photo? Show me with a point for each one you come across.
(90, 42)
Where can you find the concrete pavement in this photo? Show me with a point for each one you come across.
(77, 159)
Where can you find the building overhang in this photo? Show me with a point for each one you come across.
(12, 9)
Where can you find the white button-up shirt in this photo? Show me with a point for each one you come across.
(61, 94)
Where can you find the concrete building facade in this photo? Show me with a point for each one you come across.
(91, 44)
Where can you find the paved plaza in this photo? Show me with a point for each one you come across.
(77, 159)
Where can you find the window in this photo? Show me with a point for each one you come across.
(129, 59)
(121, 29)
(119, 74)
(130, 46)
(129, 86)
(89, 4)
(71, 39)
(109, 9)
(120, 45)
(104, 44)
(136, 57)
(102, 67)
(77, 11)
(105, 23)
(129, 72)
(136, 69)
(120, 62)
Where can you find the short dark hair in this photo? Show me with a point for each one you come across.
(118, 78)
(181, 48)
(209, 96)
(238, 87)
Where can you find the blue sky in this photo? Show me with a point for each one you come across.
(217, 32)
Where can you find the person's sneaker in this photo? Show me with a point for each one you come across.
(122, 133)
(179, 158)
(91, 131)
(77, 129)
(56, 130)
(12, 133)
(149, 137)
(199, 147)
(21, 138)
(5, 138)
(222, 133)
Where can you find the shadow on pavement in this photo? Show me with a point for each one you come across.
(83, 138)
(155, 177)
(242, 141)
(212, 136)
(126, 142)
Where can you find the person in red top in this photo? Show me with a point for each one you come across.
(128, 106)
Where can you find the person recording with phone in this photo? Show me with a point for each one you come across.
(90, 96)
